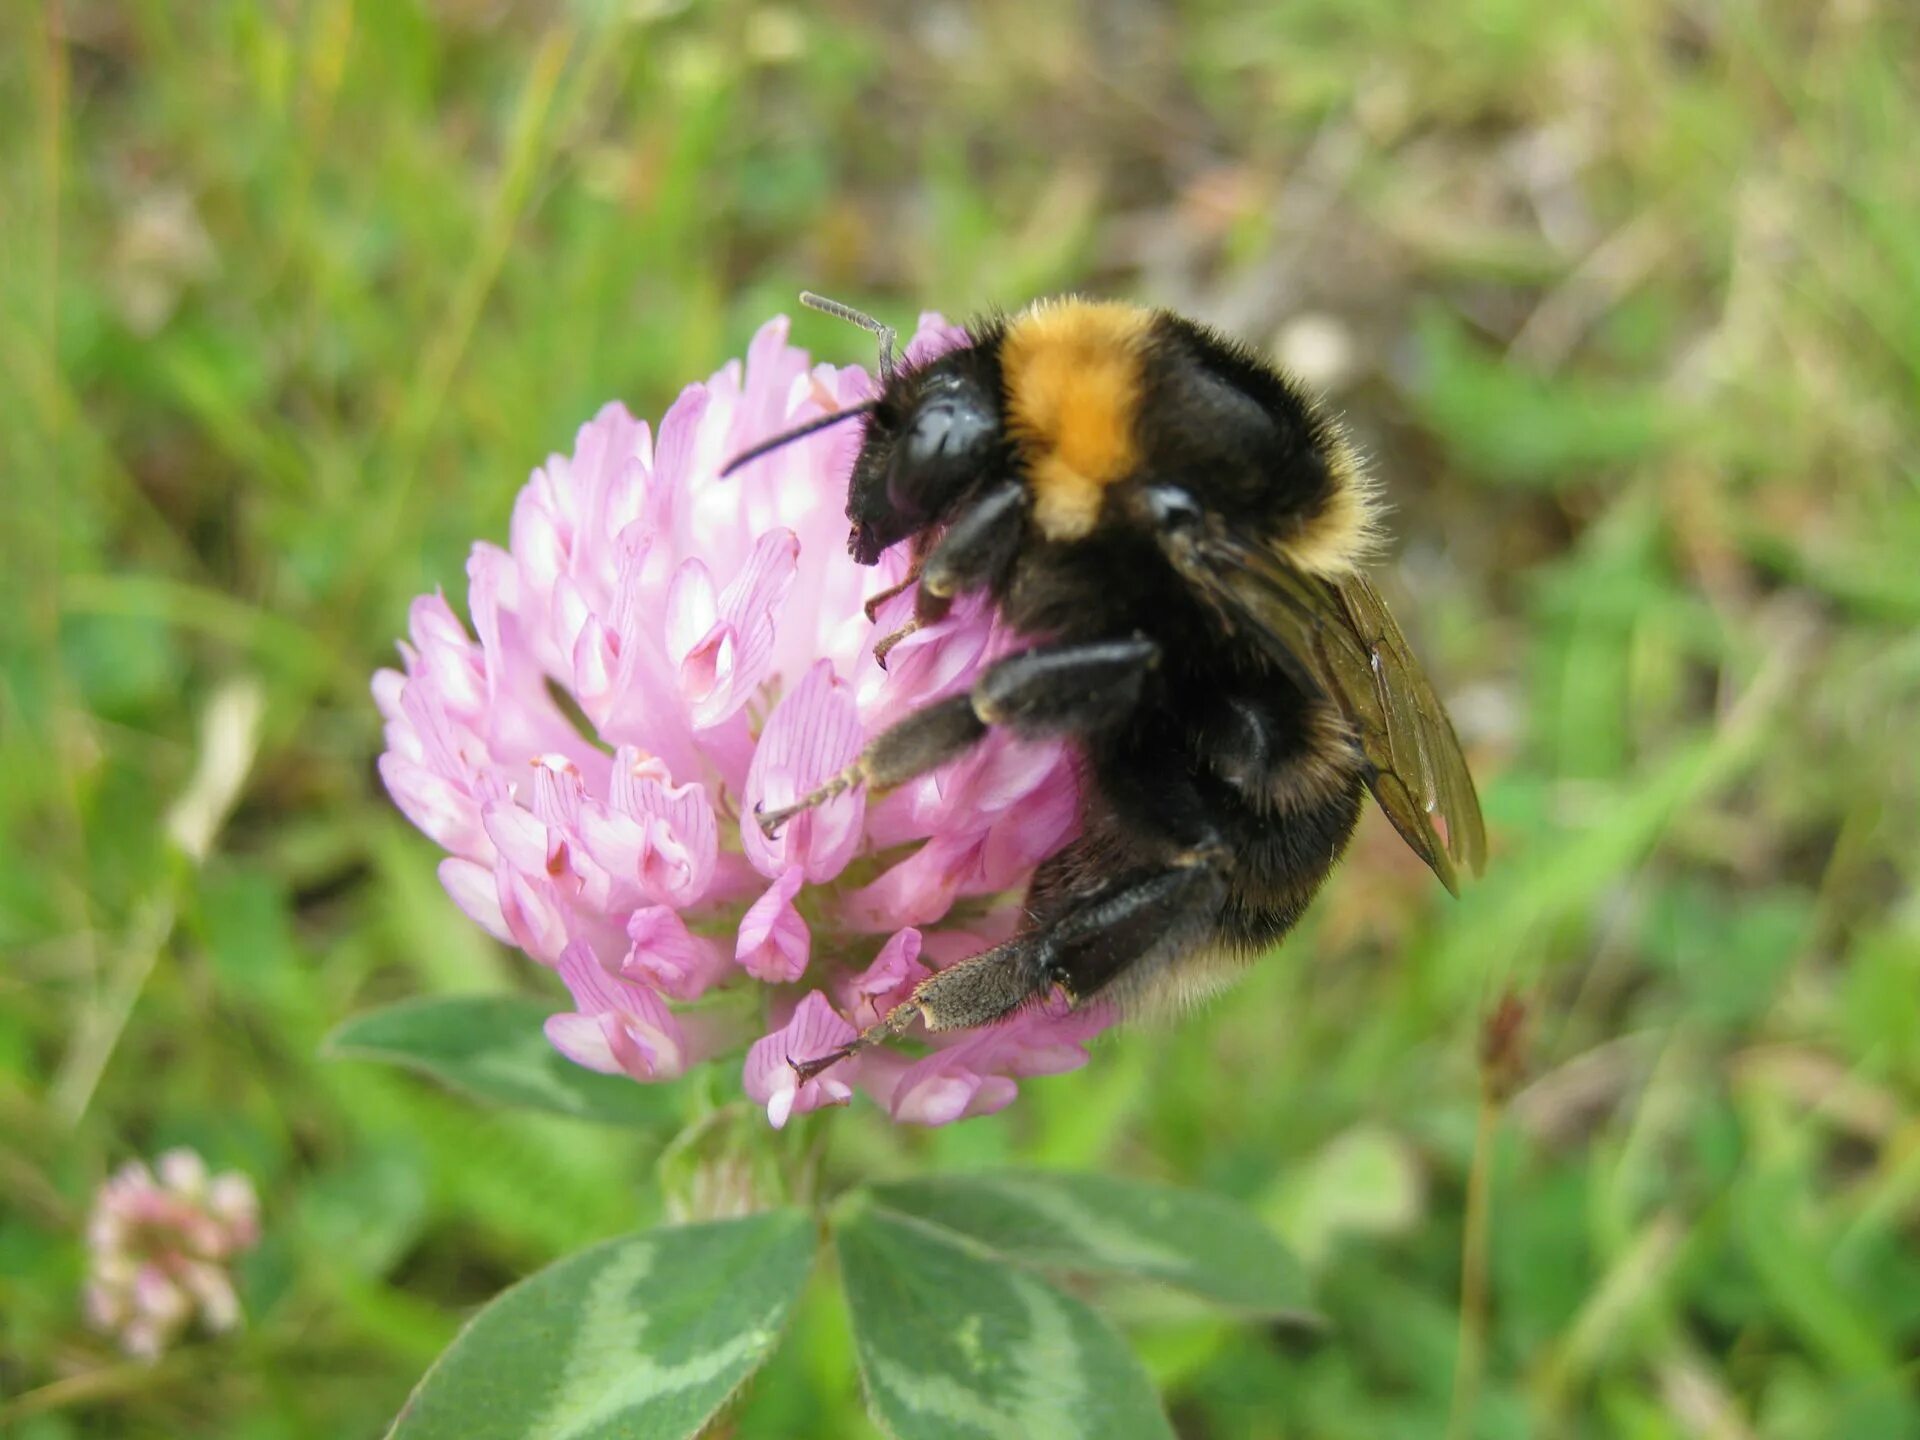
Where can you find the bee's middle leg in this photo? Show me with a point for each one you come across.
(1048, 690)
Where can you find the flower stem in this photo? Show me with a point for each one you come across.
(1470, 1359)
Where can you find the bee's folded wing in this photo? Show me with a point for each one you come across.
(1338, 639)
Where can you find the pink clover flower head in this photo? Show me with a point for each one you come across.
(657, 652)
(160, 1243)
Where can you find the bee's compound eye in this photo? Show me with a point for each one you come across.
(1172, 508)
(944, 430)
(941, 451)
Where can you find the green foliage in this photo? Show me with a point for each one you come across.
(954, 1343)
(293, 297)
(651, 1333)
(492, 1047)
(1105, 1226)
(646, 1335)
(1517, 427)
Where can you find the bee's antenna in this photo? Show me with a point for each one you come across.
(798, 432)
(885, 333)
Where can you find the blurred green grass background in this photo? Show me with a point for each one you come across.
(1622, 295)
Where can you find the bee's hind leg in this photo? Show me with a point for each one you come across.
(1130, 927)
(1125, 930)
(987, 986)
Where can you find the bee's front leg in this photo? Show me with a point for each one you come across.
(974, 552)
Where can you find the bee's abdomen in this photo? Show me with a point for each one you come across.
(1281, 866)
(1247, 762)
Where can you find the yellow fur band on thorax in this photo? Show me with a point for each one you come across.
(1072, 375)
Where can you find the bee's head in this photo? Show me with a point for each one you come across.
(933, 433)
(933, 436)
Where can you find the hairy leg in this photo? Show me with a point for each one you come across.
(974, 552)
(1048, 690)
(1137, 921)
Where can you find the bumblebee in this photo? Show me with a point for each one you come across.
(1181, 533)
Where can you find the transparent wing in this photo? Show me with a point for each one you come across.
(1338, 638)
